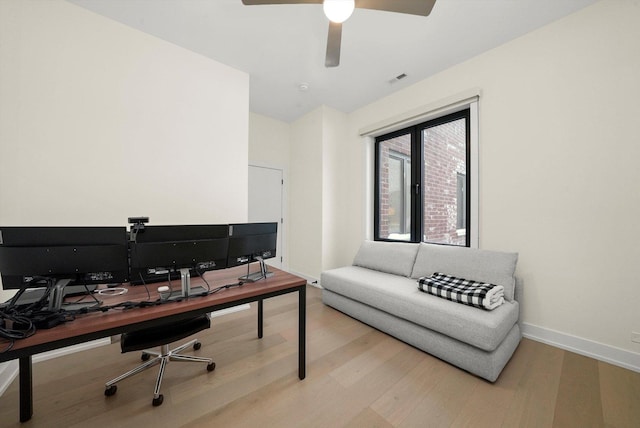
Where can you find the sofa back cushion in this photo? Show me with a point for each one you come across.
(391, 257)
(494, 267)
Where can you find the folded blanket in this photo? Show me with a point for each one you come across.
(479, 294)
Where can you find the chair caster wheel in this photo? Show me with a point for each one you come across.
(197, 346)
(145, 356)
(211, 367)
(157, 401)
(110, 390)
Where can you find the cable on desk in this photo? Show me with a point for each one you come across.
(9, 346)
(39, 304)
(226, 287)
(201, 275)
(145, 285)
(14, 326)
(20, 323)
(116, 291)
(88, 293)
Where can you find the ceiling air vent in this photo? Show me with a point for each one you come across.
(398, 78)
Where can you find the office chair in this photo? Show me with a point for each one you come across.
(162, 336)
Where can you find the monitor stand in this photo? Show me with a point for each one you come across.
(56, 298)
(185, 287)
(257, 276)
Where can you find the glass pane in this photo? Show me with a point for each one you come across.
(444, 191)
(394, 198)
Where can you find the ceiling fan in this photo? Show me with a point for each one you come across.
(339, 11)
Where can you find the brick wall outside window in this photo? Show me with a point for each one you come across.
(444, 158)
(444, 184)
(400, 145)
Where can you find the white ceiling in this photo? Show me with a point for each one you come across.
(282, 46)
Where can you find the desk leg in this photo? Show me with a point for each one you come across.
(302, 332)
(260, 313)
(26, 389)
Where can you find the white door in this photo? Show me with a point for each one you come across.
(265, 202)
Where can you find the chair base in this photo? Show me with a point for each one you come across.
(163, 357)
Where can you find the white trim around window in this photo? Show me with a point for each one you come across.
(467, 99)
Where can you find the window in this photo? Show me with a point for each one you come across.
(422, 182)
(395, 187)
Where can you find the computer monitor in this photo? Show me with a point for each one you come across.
(58, 257)
(161, 253)
(249, 242)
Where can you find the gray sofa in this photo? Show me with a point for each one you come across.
(380, 289)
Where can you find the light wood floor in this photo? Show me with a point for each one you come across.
(356, 377)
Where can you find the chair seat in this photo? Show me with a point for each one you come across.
(163, 334)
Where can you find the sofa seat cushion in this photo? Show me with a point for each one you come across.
(401, 297)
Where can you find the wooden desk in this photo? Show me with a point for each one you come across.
(104, 324)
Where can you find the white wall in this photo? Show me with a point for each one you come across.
(269, 146)
(315, 143)
(99, 122)
(305, 192)
(269, 141)
(334, 198)
(558, 166)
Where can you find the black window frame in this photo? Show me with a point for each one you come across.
(417, 175)
(404, 159)
(462, 200)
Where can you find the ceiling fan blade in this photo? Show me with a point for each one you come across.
(333, 45)
(412, 7)
(260, 2)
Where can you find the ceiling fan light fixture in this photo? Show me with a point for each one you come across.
(338, 11)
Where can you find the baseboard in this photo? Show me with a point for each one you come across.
(71, 349)
(8, 372)
(230, 310)
(310, 280)
(599, 351)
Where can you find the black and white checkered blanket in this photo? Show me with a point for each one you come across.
(479, 294)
